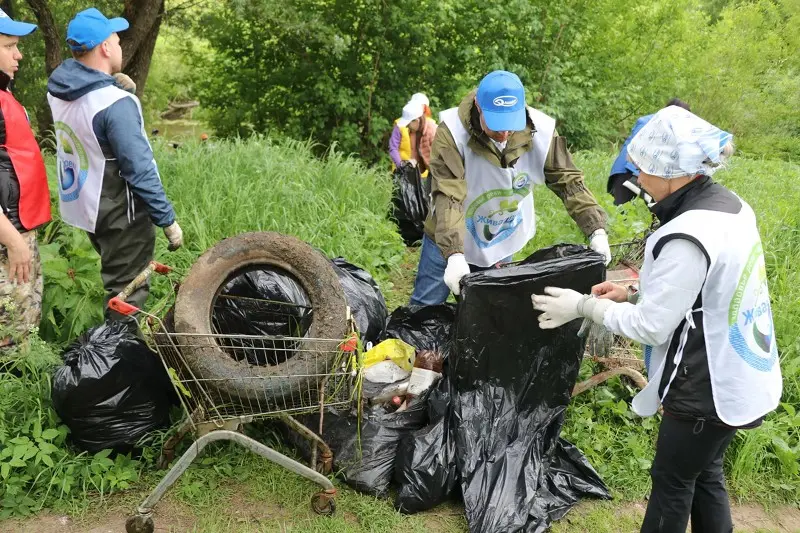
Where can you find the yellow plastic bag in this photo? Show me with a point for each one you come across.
(394, 350)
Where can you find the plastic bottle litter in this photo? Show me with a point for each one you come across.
(427, 371)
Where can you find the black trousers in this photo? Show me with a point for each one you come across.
(125, 248)
(688, 480)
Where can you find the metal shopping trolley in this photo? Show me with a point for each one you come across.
(212, 414)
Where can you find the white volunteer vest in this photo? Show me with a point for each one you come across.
(737, 319)
(499, 212)
(80, 160)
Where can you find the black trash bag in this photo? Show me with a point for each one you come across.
(514, 383)
(423, 327)
(262, 301)
(364, 298)
(409, 203)
(364, 457)
(426, 471)
(112, 390)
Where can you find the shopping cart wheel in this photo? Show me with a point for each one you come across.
(140, 524)
(323, 503)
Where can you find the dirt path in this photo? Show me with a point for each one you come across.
(244, 516)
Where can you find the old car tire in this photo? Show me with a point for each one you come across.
(195, 300)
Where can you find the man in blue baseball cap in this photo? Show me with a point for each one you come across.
(487, 155)
(109, 184)
(24, 196)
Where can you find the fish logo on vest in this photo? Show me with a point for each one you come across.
(751, 331)
(72, 164)
(494, 216)
(505, 101)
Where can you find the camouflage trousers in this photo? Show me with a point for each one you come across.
(20, 304)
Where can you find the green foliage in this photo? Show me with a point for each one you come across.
(341, 71)
(73, 293)
(37, 467)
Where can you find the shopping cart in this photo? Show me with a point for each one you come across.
(214, 415)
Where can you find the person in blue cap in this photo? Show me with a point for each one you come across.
(487, 155)
(24, 198)
(108, 180)
(623, 184)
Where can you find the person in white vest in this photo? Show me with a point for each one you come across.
(487, 155)
(703, 314)
(108, 180)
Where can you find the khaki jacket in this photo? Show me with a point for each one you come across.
(445, 224)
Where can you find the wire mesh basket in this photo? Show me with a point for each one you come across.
(284, 371)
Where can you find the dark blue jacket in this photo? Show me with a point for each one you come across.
(621, 164)
(119, 131)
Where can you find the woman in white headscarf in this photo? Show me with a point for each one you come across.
(702, 313)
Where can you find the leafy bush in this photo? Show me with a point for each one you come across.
(37, 467)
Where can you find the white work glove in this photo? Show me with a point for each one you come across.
(457, 268)
(560, 306)
(412, 162)
(598, 242)
(174, 235)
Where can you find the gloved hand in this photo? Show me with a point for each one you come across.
(457, 268)
(598, 242)
(124, 82)
(174, 235)
(560, 306)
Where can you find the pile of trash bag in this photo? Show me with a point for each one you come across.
(262, 301)
(269, 301)
(365, 300)
(488, 429)
(410, 203)
(112, 389)
(365, 451)
(513, 383)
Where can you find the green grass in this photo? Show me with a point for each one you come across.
(340, 206)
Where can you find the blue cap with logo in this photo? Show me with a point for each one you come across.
(14, 28)
(89, 28)
(501, 98)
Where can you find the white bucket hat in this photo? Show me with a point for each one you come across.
(411, 111)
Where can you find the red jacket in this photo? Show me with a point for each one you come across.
(24, 195)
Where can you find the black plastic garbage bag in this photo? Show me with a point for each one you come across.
(514, 383)
(426, 471)
(409, 203)
(112, 389)
(364, 457)
(423, 327)
(364, 299)
(262, 301)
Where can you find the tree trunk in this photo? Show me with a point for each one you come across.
(139, 41)
(52, 58)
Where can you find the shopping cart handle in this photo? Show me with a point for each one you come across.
(140, 280)
(121, 307)
(160, 268)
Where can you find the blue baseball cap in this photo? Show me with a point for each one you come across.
(501, 98)
(14, 28)
(89, 28)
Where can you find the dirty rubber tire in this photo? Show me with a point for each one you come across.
(206, 278)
